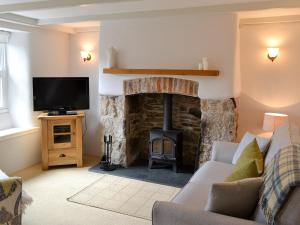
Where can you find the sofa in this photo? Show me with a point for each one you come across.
(188, 206)
(10, 199)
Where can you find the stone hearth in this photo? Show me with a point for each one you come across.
(129, 117)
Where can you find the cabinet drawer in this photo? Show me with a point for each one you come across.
(62, 157)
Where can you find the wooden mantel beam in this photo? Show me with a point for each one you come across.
(120, 71)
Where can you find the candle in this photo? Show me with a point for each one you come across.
(200, 66)
(205, 63)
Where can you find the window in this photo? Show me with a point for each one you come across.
(3, 71)
(3, 76)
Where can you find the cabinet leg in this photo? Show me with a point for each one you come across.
(79, 164)
(45, 167)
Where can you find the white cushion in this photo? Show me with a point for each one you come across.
(212, 172)
(280, 138)
(3, 175)
(263, 144)
(284, 135)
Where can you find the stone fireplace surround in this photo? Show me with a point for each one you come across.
(121, 117)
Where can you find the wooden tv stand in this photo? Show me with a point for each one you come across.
(61, 140)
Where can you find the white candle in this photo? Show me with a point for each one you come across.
(111, 57)
(205, 63)
(200, 66)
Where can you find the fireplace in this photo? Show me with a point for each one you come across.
(165, 145)
(131, 116)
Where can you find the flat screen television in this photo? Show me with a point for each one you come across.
(60, 93)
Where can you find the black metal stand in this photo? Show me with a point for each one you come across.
(105, 163)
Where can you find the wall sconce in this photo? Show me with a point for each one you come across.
(273, 53)
(86, 56)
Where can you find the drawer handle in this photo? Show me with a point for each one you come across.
(62, 155)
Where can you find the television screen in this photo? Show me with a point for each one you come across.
(60, 93)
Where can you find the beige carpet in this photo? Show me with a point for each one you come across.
(124, 195)
(50, 190)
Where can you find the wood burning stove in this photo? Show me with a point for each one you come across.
(166, 144)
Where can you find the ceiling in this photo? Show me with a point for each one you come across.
(76, 14)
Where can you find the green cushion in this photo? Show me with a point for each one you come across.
(246, 171)
(250, 163)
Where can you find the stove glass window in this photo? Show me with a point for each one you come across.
(156, 144)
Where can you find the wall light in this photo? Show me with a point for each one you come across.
(86, 56)
(273, 53)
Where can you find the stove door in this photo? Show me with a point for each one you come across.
(156, 147)
(168, 148)
(163, 148)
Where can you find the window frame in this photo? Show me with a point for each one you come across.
(4, 89)
(4, 74)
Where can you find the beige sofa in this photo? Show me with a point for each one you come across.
(187, 208)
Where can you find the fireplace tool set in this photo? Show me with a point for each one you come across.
(105, 163)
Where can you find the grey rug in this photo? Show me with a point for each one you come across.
(140, 171)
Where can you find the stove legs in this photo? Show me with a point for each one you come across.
(175, 168)
(150, 164)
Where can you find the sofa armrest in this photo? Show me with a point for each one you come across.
(223, 151)
(168, 213)
(10, 200)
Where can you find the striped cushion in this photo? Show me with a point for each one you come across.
(281, 175)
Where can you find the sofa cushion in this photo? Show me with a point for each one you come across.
(195, 193)
(282, 137)
(3, 175)
(250, 163)
(247, 170)
(289, 214)
(212, 172)
(263, 144)
(294, 133)
(26, 199)
(252, 152)
(258, 215)
(169, 213)
(281, 175)
(237, 199)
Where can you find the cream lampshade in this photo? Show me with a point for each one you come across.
(274, 120)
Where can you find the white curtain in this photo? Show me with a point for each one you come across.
(3, 75)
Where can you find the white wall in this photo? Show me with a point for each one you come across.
(41, 53)
(49, 56)
(19, 152)
(50, 53)
(31, 52)
(79, 42)
(35, 52)
(267, 86)
(174, 42)
(19, 79)
(5, 121)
